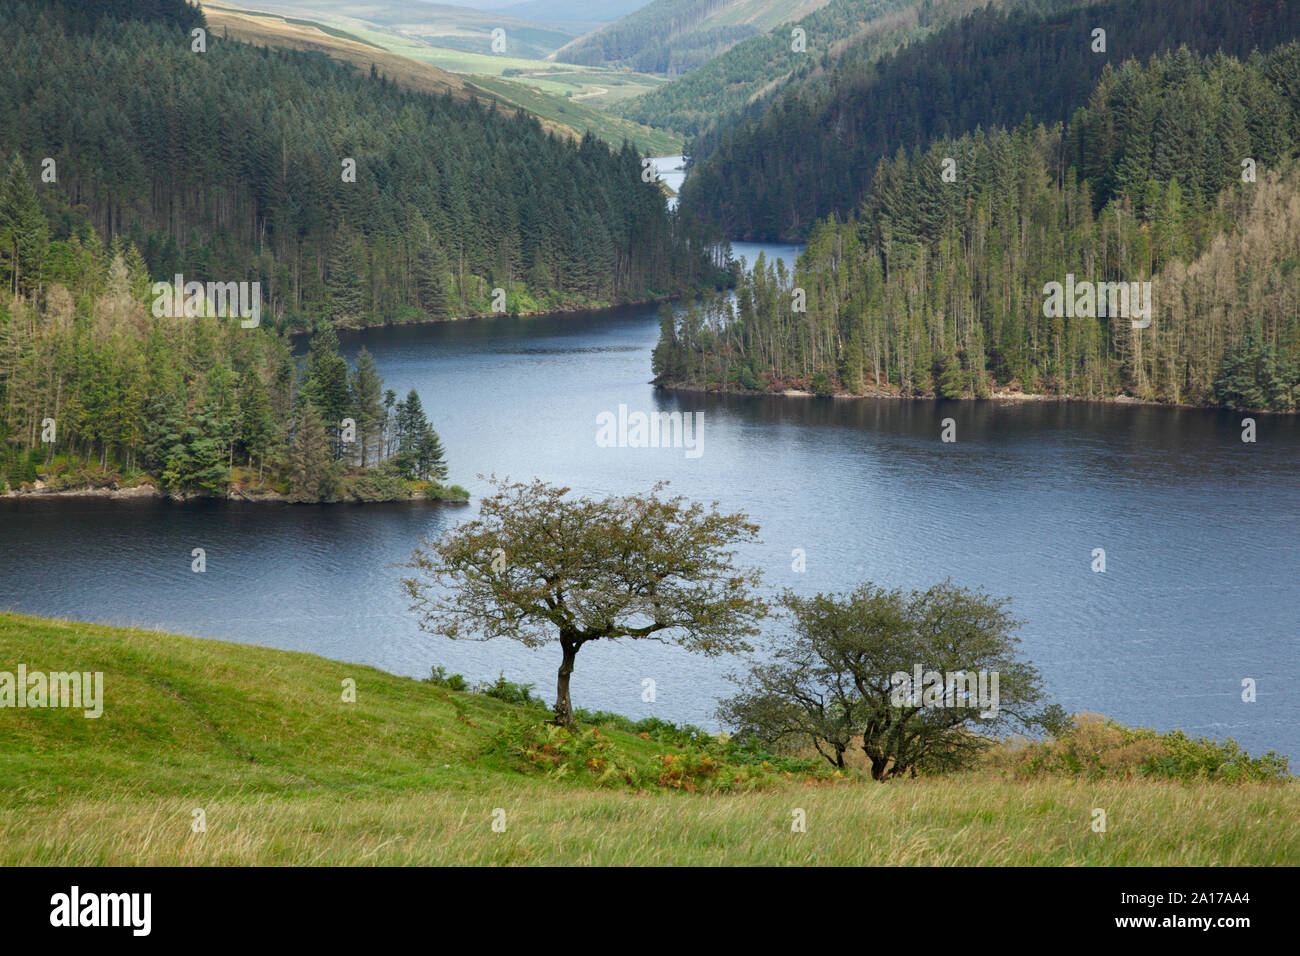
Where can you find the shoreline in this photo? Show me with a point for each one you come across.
(149, 490)
(478, 316)
(996, 396)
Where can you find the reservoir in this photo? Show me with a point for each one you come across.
(1201, 532)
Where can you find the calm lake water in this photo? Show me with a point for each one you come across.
(1200, 531)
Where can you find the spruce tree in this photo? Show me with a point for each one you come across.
(343, 282)
(951, 381)
(258, 429)
(325, 384)
(368, 407)
(311, 472)
(431, 279)
(23, 230)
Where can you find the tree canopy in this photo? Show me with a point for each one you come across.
(348, 198)
(539, 567)
(846, 674)
(811, 148)
(1178, 172)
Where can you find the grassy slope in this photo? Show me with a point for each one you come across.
(434, 22)
(269, 30)
(762, 15)
(428, 69)
(578, 115)
(287, 773)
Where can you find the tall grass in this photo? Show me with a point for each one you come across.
(284, 772)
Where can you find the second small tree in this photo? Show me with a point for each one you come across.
(836, 679)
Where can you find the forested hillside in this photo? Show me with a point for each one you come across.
(98, 391)
(234, 164)
(131, 157)
(1182, 172)
(813, 150)
(711, 93)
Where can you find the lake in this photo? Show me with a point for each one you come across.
(1200, 530)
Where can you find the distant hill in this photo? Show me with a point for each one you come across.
(712, 93)
(559, 115)
(580, 16)
(676, 36)
(446, 25)
(298, 34)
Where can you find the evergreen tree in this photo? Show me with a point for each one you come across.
(431, 461)
(344, 282)
(431, 280)
(1251, 376)
(419, 450)
(325, 385)
(311, 469)
(368, 407)
(258, 429)
(23, 230)
(951, 380)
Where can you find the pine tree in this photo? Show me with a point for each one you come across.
(23, 230)
(368, 406)
(311, 471)
(419, 450)
(258, 429)
(343, 282)
(325, 385)
(431, 279)
(951, 380)
(431, 461)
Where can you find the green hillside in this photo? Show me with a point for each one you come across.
(428, 61)
(447, 25)
(715, 92)
(574, 113)
(814, 148)
(457, 196)
(562, 97)
(259, 747)
(676, 36)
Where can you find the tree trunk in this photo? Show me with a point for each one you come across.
(878, 764)
(563, 705)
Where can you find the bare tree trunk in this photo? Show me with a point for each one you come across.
(563, 705)
(878, 767)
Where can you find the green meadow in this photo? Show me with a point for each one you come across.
(218, 753)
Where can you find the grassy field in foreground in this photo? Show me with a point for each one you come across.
(286, 772)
